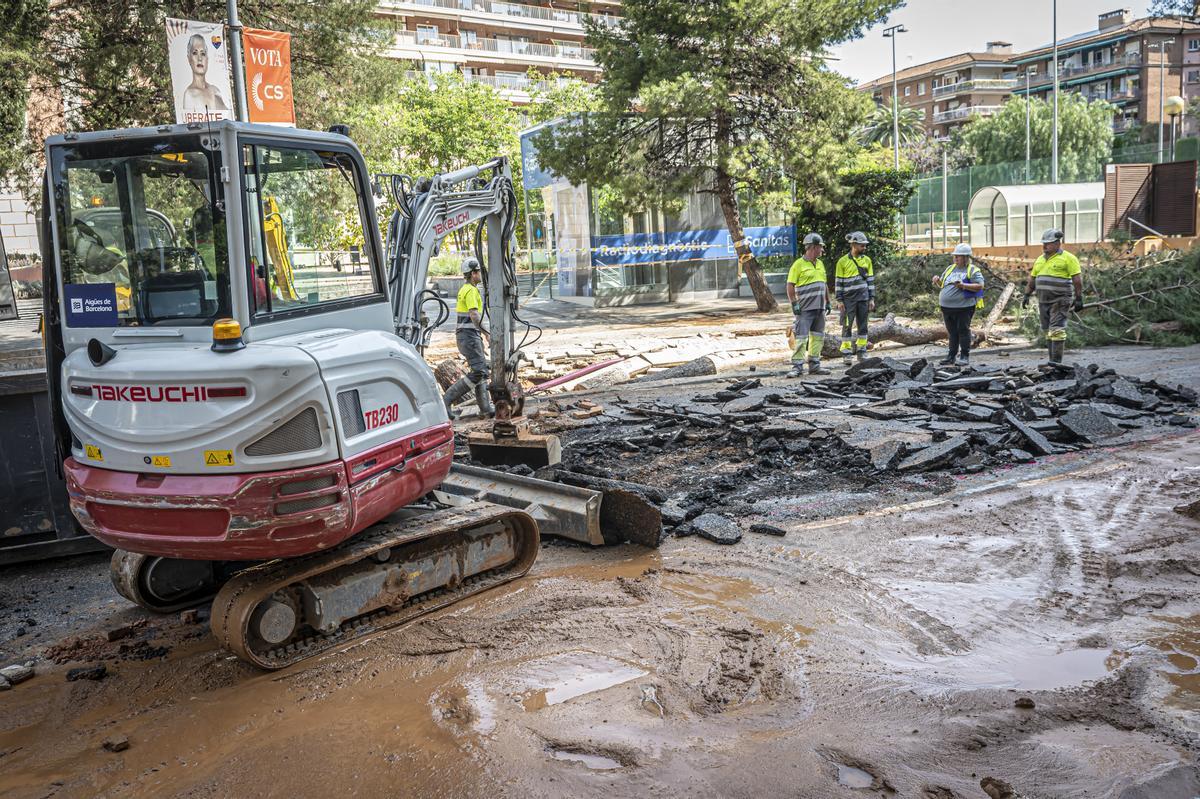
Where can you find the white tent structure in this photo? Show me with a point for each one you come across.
(1002, 216)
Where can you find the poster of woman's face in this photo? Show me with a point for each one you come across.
(199, 71)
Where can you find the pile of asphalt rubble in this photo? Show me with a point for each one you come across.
(885, 418)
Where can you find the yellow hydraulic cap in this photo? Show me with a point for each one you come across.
(227, 336)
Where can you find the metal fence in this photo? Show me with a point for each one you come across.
(924, 212)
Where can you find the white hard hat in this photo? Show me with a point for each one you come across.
(1053, 234)
(469, 265)
(963, 249)
(813, 238)
(857, 237)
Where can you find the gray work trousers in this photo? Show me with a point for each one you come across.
(470, 346)
(1054, 305)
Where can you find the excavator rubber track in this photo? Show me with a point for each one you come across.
(383, 578)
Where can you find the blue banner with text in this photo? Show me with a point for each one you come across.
(689, 245)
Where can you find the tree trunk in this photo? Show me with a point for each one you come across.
(733, 223)
(891, 330)
(448, 372)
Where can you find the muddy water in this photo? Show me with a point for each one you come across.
(879, 654)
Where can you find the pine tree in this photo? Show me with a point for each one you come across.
(720, 96)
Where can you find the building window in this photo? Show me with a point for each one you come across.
(1193, 45)
(921, 113)
(921, 88)
(470, 38)
(907, 91)
(427, 34)
(1193, 76)
(937, 82)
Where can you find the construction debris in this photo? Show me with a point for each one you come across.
(16, 674)
(88, 673)
(884, 419)
(717, 528)
(117, 743)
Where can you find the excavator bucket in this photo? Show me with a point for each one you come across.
(580, 514)
(522, 447)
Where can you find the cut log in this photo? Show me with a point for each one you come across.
(998, 309)
(447, 373)
(891, 330)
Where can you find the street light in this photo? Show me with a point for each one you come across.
(1028, 73)
(1174, 107)
(892, 33)
(1054, 143)
(1162, 98)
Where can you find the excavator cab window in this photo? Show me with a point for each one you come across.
(141, 232)
(305, 217)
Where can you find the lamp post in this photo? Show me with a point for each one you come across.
(1174, 107)
(1028, 72)
(892, 33)
(235, 53)
(1162, 98)
(1054, 142)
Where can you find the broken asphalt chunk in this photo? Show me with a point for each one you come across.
(767, 529)
(1087, 423)
(935, 454)
(717, 528)
(88, 673)
(1037, 441)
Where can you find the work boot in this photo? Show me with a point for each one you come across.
(815, 368)
(860, 355)
(947, 361)
(1056, 351)
(483, 399)
(847, 359)
(797, 369)
(456, 392)
(964, 361)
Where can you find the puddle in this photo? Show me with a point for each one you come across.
(852, 777)
(1009, 667)
(1182, 647)
(709, 590)
(559, 678)
(593, 762)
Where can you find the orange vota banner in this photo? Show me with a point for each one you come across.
(268, 57)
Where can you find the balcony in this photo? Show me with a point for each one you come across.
(1128, 61)
(511, 88)
(1002, 85)
(964, 112)
(492, 12)
(417, 46)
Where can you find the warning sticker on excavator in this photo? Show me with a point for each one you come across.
(218, 457)
(158, 460)
(93, 452)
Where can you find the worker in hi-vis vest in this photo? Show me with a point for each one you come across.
(1056, 278)
(854, 288)
(809, 295)
(469, 335)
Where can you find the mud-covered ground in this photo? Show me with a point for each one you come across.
(1032, 631)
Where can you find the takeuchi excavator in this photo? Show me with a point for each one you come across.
(237, 414)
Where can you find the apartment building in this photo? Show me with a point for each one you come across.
(951, 90)
(496, 42)
(1119, 62)
(1123, 61)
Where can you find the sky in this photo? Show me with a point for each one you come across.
(939, 28)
